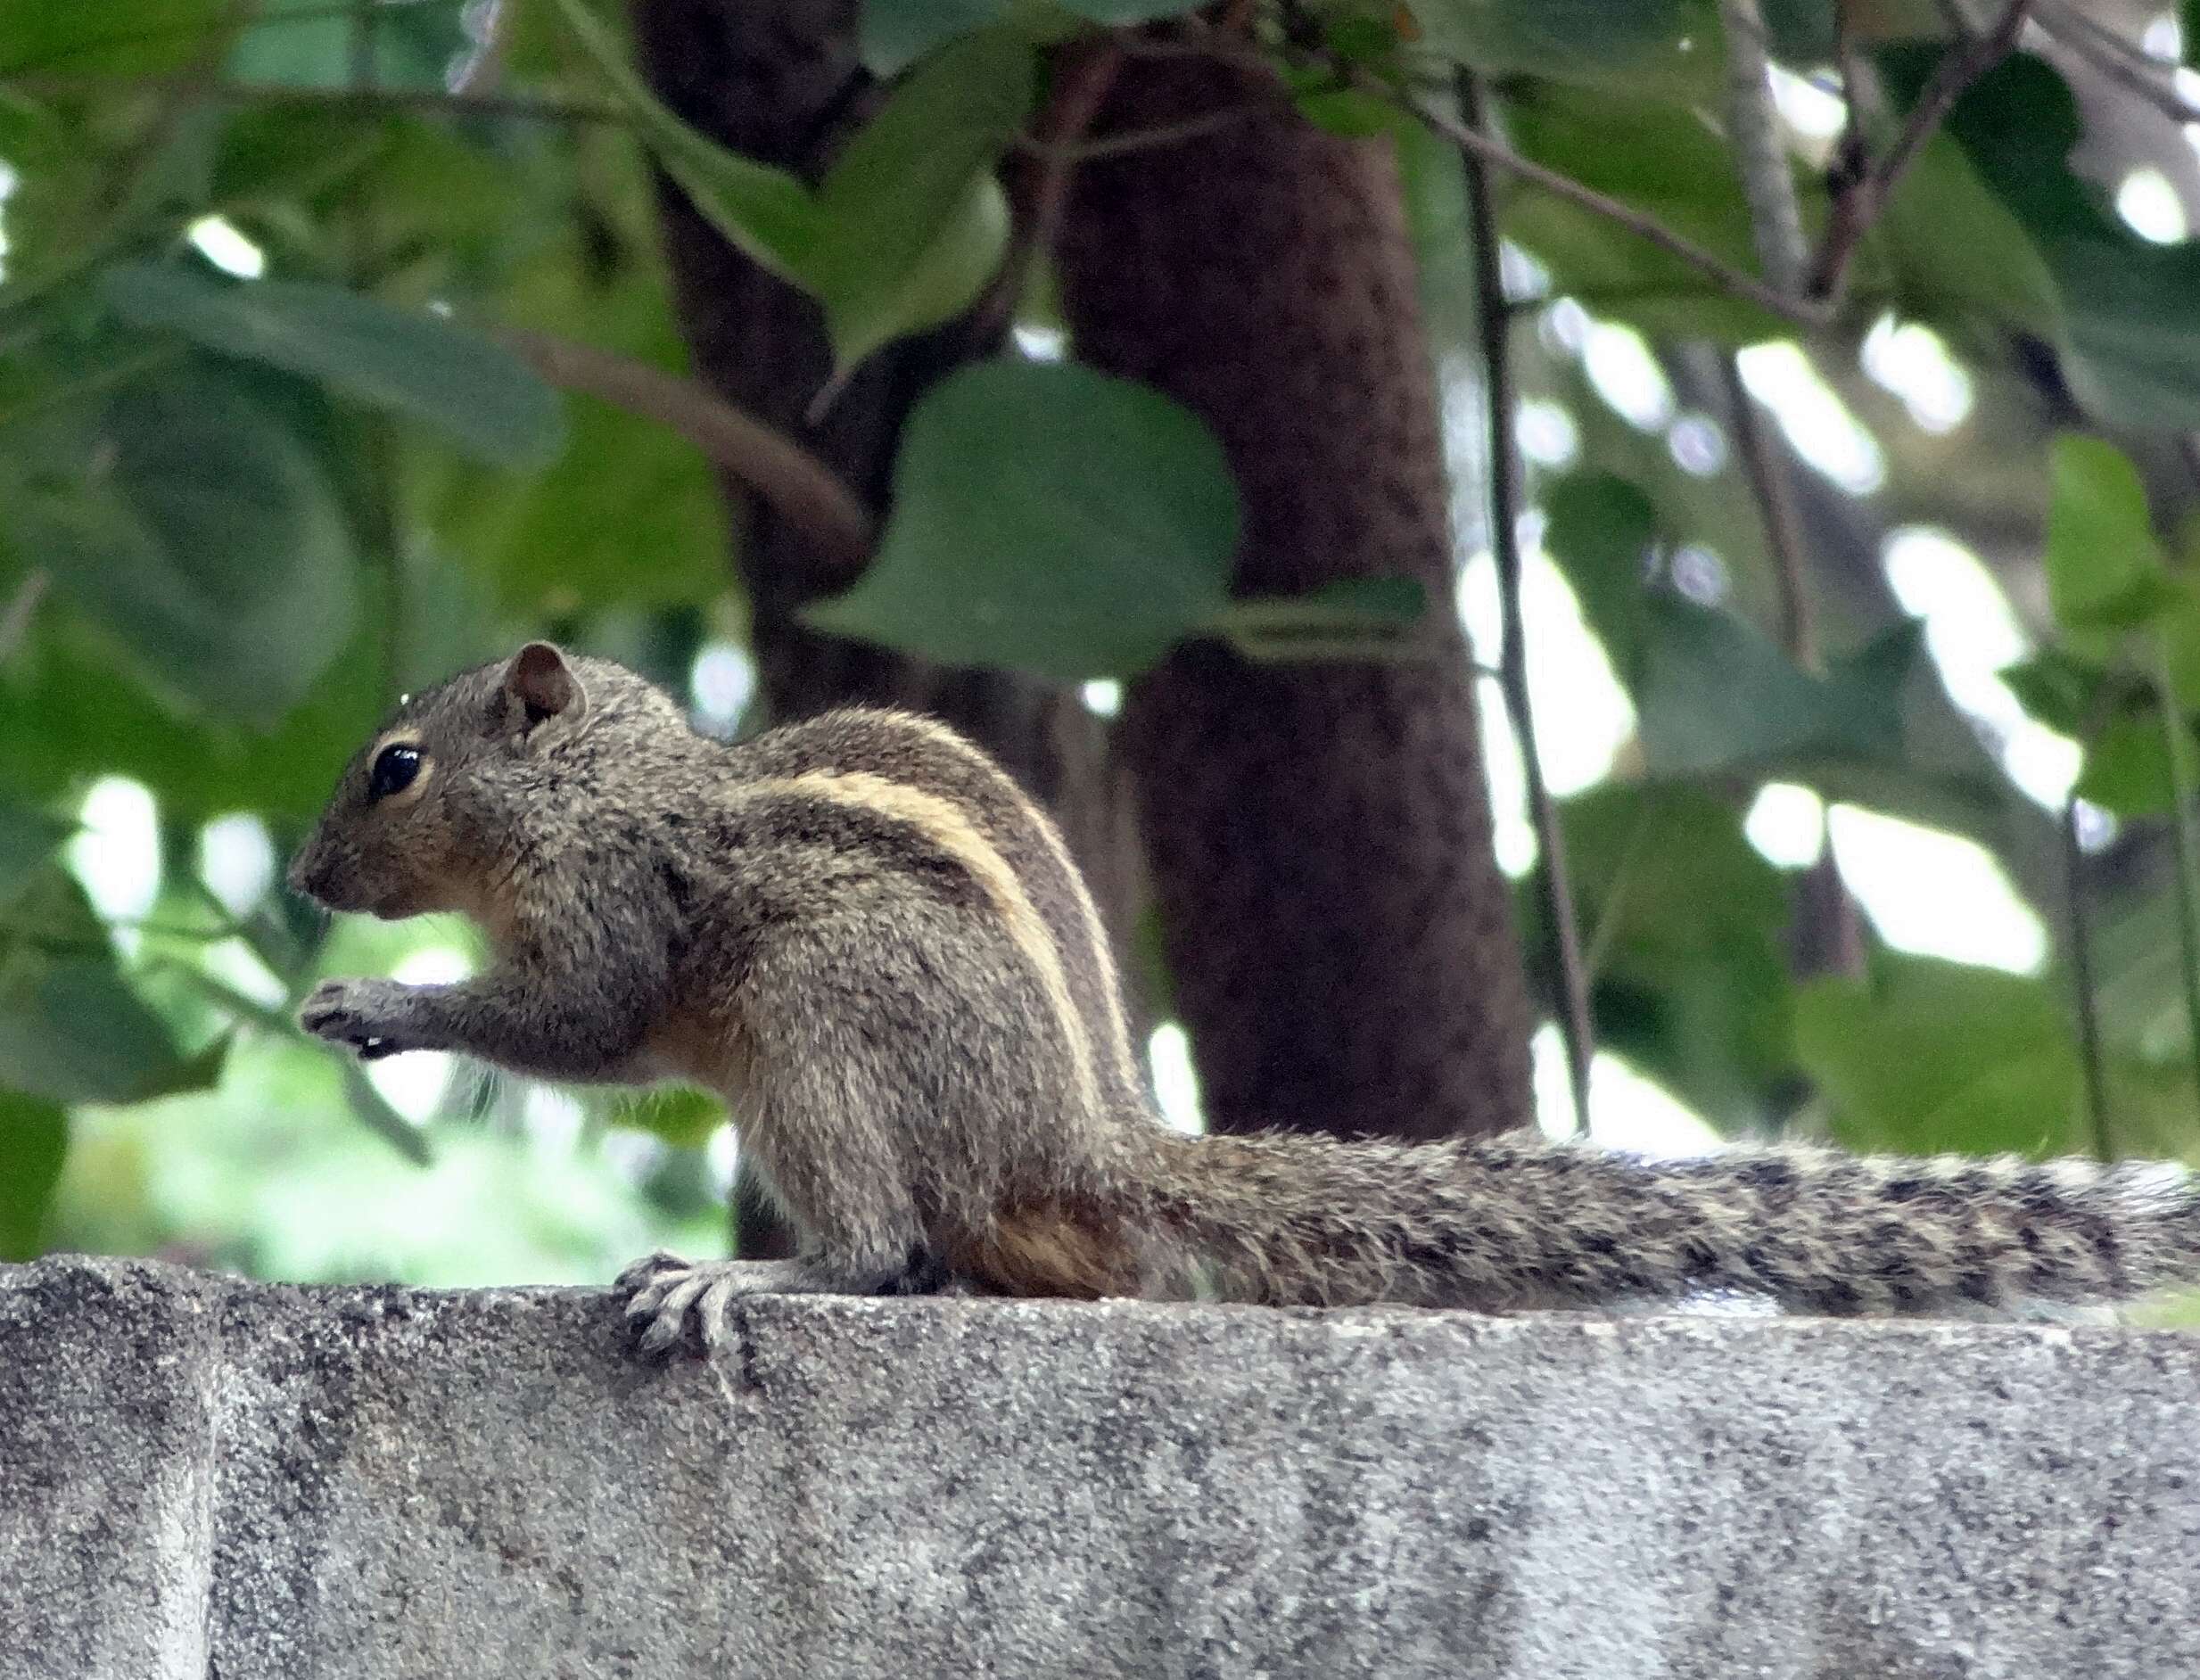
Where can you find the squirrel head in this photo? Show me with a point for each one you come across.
(466, 778)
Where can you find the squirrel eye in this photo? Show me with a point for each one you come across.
(395, 766)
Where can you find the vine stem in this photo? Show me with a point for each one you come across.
(1494, 311)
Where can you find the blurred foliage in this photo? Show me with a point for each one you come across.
(265, 463)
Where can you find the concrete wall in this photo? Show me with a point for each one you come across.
(207, 1478)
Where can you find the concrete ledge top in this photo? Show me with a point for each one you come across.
(203, 1477)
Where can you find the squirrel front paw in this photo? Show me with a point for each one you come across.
(666, 1308)
(674, 1304)
(370, 1014)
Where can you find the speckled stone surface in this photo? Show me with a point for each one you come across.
(203, 1478)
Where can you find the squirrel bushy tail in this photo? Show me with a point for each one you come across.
(1517, 1220)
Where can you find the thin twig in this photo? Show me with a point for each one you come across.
(2121, 60)
(1039, 182)
(1068, 154)
(1828, 939)
(1856, 209)
(1576, 1024)
(805, 490)
(15, 622)
(1776, 505)
(1753, 125)
(1803, 311)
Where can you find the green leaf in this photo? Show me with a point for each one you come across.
(1669, 44)
(27, 838)
(1048, 518)
(766, 212)
(70, 710)
(2059, 690)
(2130, 309)
(2104, 565)
(2127, 767)
(1930, 1055)
(1603, 532)
(71, 1027)
(407, 361)
(1953, 251)
(1716, 695)
(679, 1115)
(34, 1141)
(182, 515)
(1687, 924)
(1663, 159)
(912, 222)
(141, 39)
(892, 35)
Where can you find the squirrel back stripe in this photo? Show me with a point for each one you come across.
(925, 754)
(947, 827)
(1058, 849)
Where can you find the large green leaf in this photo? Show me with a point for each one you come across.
(2104, 565)
(912, 221)
(892, 35)
(1603, 531)
(144, 36)
(183, 516)
(1661, 158)
(1953, 254)
(1685, 926)
(70, 711)
(2130, 310)
(1715, 695)
(71, 1027)
(1673, 44)
(1050, 518)
(27, 838)
(765, 211)
(407, 361)
(1926, 1056)
(34, 1140)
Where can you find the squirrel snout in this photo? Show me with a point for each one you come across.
(313, 877)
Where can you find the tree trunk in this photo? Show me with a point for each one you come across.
(1319, 836)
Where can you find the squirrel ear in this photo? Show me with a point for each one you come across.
(540, 685)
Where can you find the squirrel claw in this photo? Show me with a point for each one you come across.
(355, 1013)
(672, 1304)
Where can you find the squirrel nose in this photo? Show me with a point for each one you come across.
(303, 877)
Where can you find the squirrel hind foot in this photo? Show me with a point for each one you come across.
(675, 1306)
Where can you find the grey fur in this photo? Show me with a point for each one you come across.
(860, 932)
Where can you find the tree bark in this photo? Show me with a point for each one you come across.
(1319, 836)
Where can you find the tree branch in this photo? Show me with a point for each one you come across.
(809, 494)
(2120, 60)
(1753, 125)
(1857, 209)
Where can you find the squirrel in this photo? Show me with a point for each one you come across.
(863, 935)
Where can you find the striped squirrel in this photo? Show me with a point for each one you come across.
(859, 931)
